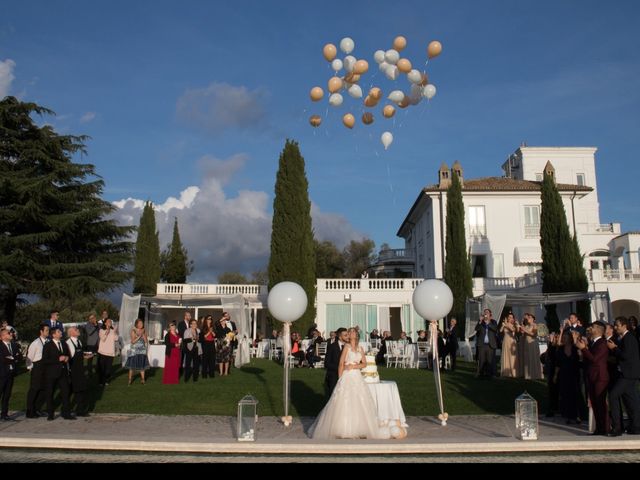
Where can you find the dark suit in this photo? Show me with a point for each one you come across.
(7, 373)
(597, 381)
(56, 375)
(79, 382)
(452, 345)
(51, 324)
(331, 363)
(625, 387)
(485, 352)
(182, 327)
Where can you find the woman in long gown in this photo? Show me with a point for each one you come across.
(173, 355)
(351, 411)
(509, 359)
(567, 377)
(532, 368)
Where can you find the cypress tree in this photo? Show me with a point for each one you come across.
(292, 246)
(146, 267)
(457, 269)
(175, 260)
(562, 269)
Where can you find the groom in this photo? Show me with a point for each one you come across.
(332, 360)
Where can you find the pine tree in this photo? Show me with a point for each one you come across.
(146, 267)
(562, 269)
(457, 269)
(57, 241)
(292, 247)
(176, 266)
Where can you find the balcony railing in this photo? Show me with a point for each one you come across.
(600, 228)
(367, 284)
(531, 231)
(608, 275)
(398, 254)
(209, 289)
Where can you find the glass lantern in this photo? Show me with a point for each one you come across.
(247, 418)
(526, 417)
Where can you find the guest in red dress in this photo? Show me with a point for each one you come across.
(171, 373)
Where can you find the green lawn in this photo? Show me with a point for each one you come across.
(463, 393)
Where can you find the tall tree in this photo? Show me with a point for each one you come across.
(57, 241)
(329, 260)
(176, 266)
(457, 269)
(146, 266)
(562, 269)
(292, 253)
(358, 256)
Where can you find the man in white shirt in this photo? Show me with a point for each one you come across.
(35, 396)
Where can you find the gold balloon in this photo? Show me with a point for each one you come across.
(434, 49)
(352, 77)
(334, 84)
(367, 118)
(375, 93)
(348, 120)
(399, 43)
(388, 111)
(404, 65)
(316, 94)
(315, 120)
(405, 102)
(361, 67)
(370, 101)
(425, 79)
(329, 51)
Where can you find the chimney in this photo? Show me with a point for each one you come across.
(549, 170)
(444, 176)
(457, 168)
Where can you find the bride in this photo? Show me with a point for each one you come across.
(351, 411)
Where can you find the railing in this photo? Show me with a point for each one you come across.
(395, 255)
(209, 289)
(531, 231)
(608, 275)
(600, 228)
(478, 230)
(507, 283)
(529, 280)
(367, 284)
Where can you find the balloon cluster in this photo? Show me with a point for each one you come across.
(391, 64)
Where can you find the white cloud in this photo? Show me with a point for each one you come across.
(87, 117)
(225, 233)
(6, 76)
(221, 106)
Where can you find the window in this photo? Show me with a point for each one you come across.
(478, 266)
(477, 225)
(531, 221)
(580, 179)
(539, 177)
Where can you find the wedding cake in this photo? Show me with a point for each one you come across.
(370, 372)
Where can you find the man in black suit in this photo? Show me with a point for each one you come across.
(79, 382)
(55, 358)
(451, 335)
(486, 343)
(183, 326)
(627, 353)
(9, 355)
(53, 322)
(37, 383)
(332, 360)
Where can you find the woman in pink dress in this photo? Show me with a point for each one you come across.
(173, 353)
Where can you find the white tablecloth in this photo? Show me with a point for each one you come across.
(156, 355)
(387, 399)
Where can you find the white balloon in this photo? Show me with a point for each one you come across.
(347, 45)
(432, 299)
(415, 97)
(355, 91)
(429, 91)
(396, 96)
(348, 63)
(336, 64)
(386, 138)
(335, 99)
(391, 56)
(287, 301)
(392, 72)
(383, 66)
(379, 56)
(414, 76)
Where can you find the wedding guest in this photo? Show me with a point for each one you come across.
(55, 357)
(108, 335)
(508, 359)
(91, 329)
(138, 360)
(405, 338)
(208, 343)
(567, 377)
(183, 326)
(36, 394)
(193, 351)
(296, 349)
(486, 343)
(374, 335)
(422, 336)
(12, 331)
(223, 346)
(10, 355)
(532, 368)
(79, 382)
(549, 361)
(173, 355)
(53, 322)
(451, 337)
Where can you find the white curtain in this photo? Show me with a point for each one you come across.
(384, 321)
(234, 305)
(495, 303)
(128, 315)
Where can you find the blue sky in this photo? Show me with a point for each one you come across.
(199, 97)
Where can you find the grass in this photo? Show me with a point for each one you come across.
(463, 393)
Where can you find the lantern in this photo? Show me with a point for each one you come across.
(526, 417)
(247, 418)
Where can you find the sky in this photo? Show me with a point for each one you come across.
(188, 104)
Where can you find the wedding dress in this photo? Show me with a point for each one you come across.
(351, 411)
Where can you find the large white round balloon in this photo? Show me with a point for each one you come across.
(355, 91)
(386, 138)
(347, 45)
(391, 56)
(379, 56)
(414, 76)
(432, 299)
(335, 100)
(336, 64)
(429, 91)
(383, 66)
(287, 301)
(396, 96)
(392, 72)
(349, 62)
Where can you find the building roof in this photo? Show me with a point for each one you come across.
(505, 184)
(635, 232)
